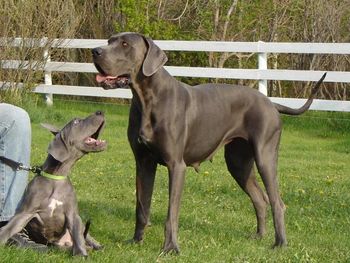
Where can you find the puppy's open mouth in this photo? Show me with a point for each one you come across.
(112, 82)
(93, 140)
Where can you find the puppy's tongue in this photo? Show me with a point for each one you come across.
(102, 78)
(92, 141)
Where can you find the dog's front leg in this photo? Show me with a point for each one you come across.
(145, 174)
(176, 183)
(76, 228)
(15, 225)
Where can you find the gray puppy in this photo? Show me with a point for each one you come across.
(49, 210)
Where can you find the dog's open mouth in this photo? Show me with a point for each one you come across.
(112, 82)
(93, 140)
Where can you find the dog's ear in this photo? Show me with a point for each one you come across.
(154, 60)
(50, 127)
(58, 148)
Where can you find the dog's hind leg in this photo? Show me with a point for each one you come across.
(90, 241)
(266, 162)
(93, 243)
(239, 160)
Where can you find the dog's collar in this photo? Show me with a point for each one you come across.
(52, 176)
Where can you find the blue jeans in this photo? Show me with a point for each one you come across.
(15, 143)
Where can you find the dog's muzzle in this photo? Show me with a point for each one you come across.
(112, 82)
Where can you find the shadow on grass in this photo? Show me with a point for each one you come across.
(114, 223)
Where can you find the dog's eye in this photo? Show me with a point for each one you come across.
(124, 44)
(76, 121)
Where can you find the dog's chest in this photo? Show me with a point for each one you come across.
(53, 205)
(49, 223)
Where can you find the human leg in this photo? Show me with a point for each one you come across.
(15, 143)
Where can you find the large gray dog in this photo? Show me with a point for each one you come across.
(49, 210)
(177, 125)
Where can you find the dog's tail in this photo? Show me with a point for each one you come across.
(87, 227)
(306, 106)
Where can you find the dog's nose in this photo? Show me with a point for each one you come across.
(97, 51)
(99, 112)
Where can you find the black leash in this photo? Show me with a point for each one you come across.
(20, 166)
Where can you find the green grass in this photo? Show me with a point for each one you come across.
(216, 218)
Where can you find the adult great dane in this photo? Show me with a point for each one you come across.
(174, 124)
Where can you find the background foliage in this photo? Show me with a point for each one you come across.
(223, 20)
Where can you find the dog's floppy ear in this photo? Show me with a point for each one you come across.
(58, 148)
(154, 60)
(54, 130)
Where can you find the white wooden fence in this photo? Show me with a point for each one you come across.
(262, 73)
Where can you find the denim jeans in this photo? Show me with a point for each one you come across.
(15, 143)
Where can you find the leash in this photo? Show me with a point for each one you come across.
(20, 166)
(34, 169)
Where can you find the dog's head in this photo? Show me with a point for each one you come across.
(125, 57)
(77, 137)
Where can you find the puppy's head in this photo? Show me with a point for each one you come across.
(77, 137)
(126, 56)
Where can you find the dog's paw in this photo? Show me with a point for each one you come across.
(79, 251)
(257, 235)
(280, 244)
(170, 249)
(80, 254)
(96, 246)
(91, 243)
(132, 241)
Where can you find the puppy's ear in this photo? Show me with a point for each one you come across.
(58, 148)
(50, 127)
(154, 60)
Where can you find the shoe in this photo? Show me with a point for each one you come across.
(22, 240)
(3, 223)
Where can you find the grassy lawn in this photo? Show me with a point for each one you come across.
(217, 218)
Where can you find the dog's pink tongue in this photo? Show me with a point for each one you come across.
(100, 78)
(90, 140)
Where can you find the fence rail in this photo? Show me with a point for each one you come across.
(262, 73)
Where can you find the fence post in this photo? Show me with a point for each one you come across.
(48, 77)
(262, 64)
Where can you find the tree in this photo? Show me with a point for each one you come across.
(35, 20)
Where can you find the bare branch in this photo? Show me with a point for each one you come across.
(159, 9)
(183, 12)
(228, 15)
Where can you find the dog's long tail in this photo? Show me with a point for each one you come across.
(306, 106)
